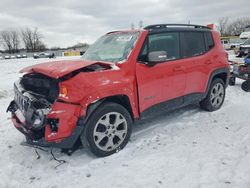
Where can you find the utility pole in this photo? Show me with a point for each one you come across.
(132, 26)
(140, 24)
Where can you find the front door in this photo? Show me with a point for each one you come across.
(163, 81)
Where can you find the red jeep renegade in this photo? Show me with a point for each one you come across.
(123, 76)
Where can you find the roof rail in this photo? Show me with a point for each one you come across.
(164, 26)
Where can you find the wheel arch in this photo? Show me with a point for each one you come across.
(123, 100)
(221, 73)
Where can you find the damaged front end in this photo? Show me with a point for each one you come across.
(51, 101)
(36, 112)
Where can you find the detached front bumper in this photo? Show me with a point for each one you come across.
(62, 125)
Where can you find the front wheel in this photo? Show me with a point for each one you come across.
(108, 129)
(215, 96)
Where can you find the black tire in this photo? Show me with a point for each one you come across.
(240, 54)
(232, 81)
(89, 140)
(246, 86)
(208, 104)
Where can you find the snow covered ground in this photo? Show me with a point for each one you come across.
(182, 149)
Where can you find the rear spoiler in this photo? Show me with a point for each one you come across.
(211, 26)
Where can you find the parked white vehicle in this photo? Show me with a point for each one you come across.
(244, 48)
(236, 42)
(18, 56)
(246, 33)
(226, 44)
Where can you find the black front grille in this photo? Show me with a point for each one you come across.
(40, 86)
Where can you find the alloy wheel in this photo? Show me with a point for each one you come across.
(110, 131)
(217, 95)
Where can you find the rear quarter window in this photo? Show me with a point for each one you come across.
(209, 40)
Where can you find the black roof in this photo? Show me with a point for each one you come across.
(175, 27)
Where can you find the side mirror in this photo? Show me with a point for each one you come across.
(157, 57)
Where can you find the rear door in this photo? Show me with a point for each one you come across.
(196, 60)
(165, 80)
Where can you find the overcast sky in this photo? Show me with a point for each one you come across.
(67, 22)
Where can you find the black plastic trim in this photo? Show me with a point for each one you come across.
(215, 73)
(164, 26)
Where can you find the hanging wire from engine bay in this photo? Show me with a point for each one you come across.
(60, 161)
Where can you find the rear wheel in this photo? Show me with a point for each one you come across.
(108, 129)
(246, 86)
(215, 96)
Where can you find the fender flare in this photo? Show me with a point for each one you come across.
(214, 74)
(91, 108)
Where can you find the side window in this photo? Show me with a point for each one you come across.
(192, 44)
(209, 40)
(168, 42)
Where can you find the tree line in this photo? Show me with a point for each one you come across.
(232, 27)
(12, 39)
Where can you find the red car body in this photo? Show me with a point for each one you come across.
(135, 84)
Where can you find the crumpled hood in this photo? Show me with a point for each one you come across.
(57, 69)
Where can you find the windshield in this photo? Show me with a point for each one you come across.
(247, 42)
(112, 47)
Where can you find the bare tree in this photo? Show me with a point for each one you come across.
(15, 41)
(6, 40)
(237, 26)
(232, 27)
(32, 40)
(26, 37)
(10, 40)
(223, 23)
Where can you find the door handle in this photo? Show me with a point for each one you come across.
(179, 68)
(208, 62)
